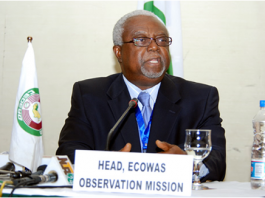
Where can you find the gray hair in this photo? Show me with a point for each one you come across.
(119, 26)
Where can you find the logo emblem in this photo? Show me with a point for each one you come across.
(67, 168)
(28, 112)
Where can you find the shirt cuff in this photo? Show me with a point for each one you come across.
(203, 172)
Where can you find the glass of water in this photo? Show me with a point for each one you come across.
(198, 144)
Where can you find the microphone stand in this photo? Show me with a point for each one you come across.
(132, 104)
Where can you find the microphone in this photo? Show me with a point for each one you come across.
(36, 179)
(7, 168)
(132, 104)
(40, 170)
(19, 178)
(8, 171)
(20, 174)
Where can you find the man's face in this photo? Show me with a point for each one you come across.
(143, 66)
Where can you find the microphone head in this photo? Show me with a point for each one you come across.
(8, 167)
(133, 102)
(42, 167)
(40, 170)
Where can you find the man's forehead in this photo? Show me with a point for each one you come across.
(141, 24)
(141, 18)
(142, 32)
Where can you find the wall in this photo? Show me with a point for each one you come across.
(223, 45)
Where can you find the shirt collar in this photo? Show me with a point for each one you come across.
(134, 91)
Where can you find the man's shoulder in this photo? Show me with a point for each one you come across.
(99, 80)
(97, 85)
(181, 82)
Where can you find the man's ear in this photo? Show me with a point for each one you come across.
(117, 52)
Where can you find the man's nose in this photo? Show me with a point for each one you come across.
(153, 46)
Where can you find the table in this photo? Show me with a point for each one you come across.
(217, 189)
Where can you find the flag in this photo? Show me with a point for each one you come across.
(169, 13)
(26, 147)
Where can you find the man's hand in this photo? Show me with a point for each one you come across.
(169, 148)
(126, 148)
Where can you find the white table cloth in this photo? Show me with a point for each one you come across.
(217, 189)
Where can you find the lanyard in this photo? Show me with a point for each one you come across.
(144, 132)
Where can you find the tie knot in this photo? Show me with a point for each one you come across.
(144, 98)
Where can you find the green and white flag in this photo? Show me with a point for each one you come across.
(26, 148)
(169, 13)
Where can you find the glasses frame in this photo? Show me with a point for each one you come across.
(151, 38)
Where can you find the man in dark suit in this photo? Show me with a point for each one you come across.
(141, 45)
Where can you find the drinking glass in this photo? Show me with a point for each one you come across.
(198, 143)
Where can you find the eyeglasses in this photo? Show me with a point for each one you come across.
(145, 41)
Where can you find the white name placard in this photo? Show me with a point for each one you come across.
(133, 172)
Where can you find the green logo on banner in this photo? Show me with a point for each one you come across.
(70, 178)
(28, 112)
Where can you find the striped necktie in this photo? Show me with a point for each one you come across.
(146, 111)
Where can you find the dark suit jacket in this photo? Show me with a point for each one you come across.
(98, 103)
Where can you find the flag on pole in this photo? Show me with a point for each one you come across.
(26, 147)
(169, 13)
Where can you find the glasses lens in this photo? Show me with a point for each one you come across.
(163, 41)
(142, 41)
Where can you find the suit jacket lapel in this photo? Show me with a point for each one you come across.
(118, 103)
(165, 113)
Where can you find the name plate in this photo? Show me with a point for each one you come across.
(133, 172)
